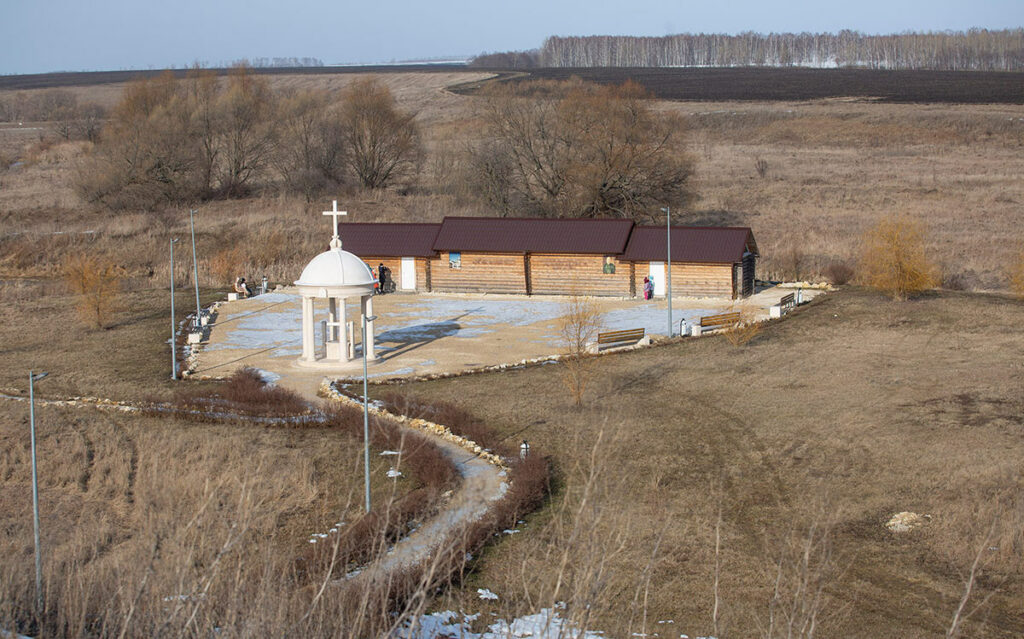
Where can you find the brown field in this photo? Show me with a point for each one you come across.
(844, 414)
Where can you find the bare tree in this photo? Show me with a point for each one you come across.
(310, 150)
(579, 150)
(383, 142)
(578, 329)
(247, 109)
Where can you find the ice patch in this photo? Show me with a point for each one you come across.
(547, 624)
(486, 594)
(394, 473)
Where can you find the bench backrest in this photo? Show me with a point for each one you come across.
(788, 300)
(725, 319)
(632, 334)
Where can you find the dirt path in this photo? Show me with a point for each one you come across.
(481, 484)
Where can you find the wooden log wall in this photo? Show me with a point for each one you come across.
(479, 273)
(693, 280)
(553, 274)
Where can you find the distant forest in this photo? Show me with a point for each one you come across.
(976, 49)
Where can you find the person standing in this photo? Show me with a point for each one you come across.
(524, 450)
(648, 288)
(381, 277)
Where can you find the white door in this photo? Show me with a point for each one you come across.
(656, 271)
(408, 273)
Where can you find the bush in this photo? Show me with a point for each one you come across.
(245, 393)
(839, 273)
(97, 281)
(894, 259)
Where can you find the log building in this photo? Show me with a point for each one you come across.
(529, 256)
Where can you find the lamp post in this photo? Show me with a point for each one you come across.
(668, 263)
(174, 350)
(32, 378)
(195, 265)
(366, 416)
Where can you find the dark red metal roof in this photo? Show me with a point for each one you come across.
(388, 239)
(714, 244)
(533, 235)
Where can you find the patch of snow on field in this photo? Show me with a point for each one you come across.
(547, 624)
(269, 378)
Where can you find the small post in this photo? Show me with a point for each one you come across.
(174, 333)
(32, 377)
(366, 418)
(668, 263)
(195, 266)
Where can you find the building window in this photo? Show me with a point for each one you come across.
(609, 265)
(454, 260)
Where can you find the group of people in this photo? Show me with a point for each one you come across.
(383, 283)
(243, 290)
(648, 288)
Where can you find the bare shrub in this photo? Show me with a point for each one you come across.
(839, 273)
(244, 392)
(761, 166)
(894, 261)
(578, 328)
(803, 565)
(97, 282)
(745, 330)
(1017, 276)
(793, 262)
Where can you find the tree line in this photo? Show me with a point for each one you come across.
(974, 50)
(171, 141)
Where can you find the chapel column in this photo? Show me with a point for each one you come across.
(368, 338)
(308, 342)
(342, 332)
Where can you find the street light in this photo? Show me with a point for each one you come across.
(668, 263)
(366, 416)
(32, 378)
(174, 354)
(195, 266)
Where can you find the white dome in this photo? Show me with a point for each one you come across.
(336, 268)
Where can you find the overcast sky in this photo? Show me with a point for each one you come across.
(49, 35)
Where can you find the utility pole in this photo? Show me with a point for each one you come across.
(174, 335)
(366, 417)
(195, 266)
(32, 378)
(668, 263)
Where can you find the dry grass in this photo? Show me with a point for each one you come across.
(152, 526)
(861, 404)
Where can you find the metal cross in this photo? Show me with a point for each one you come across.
(335, 213)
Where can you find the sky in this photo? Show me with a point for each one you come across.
(38, 36)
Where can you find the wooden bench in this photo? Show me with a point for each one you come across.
(715, 322)
(616, 337)
(785, 304)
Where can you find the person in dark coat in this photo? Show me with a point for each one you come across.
(382, 274)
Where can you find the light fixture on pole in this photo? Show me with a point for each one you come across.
(174, 349)
(366, 416)
(668, 263)
(32, 378)
(195, 266)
